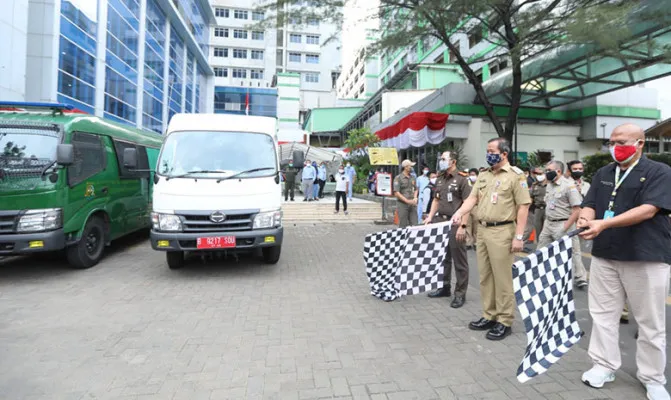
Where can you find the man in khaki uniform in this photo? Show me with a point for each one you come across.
(405, 190)
(452, 189)
(502, 197)
(561, 213)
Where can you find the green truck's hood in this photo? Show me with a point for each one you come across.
(22, 199)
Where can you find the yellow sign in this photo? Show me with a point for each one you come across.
(383, 156)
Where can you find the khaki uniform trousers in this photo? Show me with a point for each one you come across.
(495, 263)
(554, 231)
(456, 252)
(645, 286)
(407, 215)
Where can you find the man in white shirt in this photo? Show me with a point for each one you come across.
(342, 187)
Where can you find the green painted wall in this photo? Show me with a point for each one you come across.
(434, 78)
(330, 119)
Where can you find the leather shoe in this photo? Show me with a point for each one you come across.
(498, 332)
(457, 302)
(443, 292)
(482, 324)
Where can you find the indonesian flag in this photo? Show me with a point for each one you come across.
(247, 103)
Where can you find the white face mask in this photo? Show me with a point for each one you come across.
(473, 178)
(540, 178)
(433, 181)
(349, 165)
(341, 171)
(426, 172)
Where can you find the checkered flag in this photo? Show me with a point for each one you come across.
(406, 261)
(543, 284)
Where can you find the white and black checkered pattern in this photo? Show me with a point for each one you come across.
(543, 284)
(406, 261)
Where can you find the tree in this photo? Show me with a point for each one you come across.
(520, 29)
(13, 150)
(361, 138)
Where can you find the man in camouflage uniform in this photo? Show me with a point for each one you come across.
(405, 191)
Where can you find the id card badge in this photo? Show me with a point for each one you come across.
(449, 197)
(495, 198)
(551, 206)
(608, 214)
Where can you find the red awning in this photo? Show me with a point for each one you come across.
(285, 142)
(415, 121)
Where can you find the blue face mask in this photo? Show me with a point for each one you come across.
(493, 159)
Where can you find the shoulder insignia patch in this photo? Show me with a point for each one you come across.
(524, 184)
(517, 170)
(462, 173)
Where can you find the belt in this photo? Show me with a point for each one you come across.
(557, 220)
(491, 224)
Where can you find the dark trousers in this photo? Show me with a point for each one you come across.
(343, 196)
(289, 188)
(321, 188)
(456, 252)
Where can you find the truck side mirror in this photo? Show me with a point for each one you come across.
(130, 158)
(65, 154)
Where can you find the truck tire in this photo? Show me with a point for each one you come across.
(175, 259)
(90, 248)
(271, 255)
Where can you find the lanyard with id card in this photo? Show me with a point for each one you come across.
(610, 213)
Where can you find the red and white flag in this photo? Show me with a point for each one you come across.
(247, 103)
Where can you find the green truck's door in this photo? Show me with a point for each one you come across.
(134, 187)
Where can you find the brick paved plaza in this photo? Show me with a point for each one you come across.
(305, 328)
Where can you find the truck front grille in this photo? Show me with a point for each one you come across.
(201, 223)
(8, 221)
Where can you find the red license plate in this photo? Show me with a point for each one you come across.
(221, 242)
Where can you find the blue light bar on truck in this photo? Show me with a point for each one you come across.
(22, 104)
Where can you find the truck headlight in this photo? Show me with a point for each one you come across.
(269, 219)
(40, 220)
(166, 222)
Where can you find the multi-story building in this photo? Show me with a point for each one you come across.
(360, 78)
(253, 66)
(133, 61)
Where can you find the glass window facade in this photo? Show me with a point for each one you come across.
(154, 68)
(188, 93)
(312, 58)
(194, 14)
(231, 100)
(175, 75)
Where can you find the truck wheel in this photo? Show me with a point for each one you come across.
(89, 250)
(271, 255)
(175, 259)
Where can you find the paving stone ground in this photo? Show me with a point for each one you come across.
(306, 328)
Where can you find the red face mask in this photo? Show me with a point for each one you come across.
(623, 153)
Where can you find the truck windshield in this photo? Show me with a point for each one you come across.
(217, 155)
(26, 151)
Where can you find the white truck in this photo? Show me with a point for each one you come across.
(217, 187)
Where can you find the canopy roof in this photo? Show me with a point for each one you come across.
(572, 73)
(311, 153)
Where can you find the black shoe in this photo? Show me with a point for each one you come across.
(292, 200)
(482, 324)
(498, 332)
(444, 292)
(458, 302)
(305, 199)
(624, 320)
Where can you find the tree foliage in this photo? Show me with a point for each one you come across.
(361, 138)
(596, 161)
(520, 29)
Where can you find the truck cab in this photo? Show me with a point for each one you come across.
(217, 187)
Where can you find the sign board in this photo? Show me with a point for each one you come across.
(383, 184)
(383, 156)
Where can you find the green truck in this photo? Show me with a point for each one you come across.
(64, 184)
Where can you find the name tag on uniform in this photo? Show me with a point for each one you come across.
(449, 197)
(608, 214)
(495, 198)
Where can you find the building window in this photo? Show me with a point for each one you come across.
(475, 36)
(312, 58)
(311, 77)
(220, 52)
(313, 22)
(240, 14)
(220, 72)
(257, 16)
(239, 73)
(257, 54)
(221, 32)
(312, 39)
(221, 12)
(239, 53)
(295, 57)
(295, 38)
(256, 74)
(239, 34)
(257, 35)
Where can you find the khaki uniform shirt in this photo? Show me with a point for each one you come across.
(538, 194)
(500, 193)
(560, 199)
(451, 191)
(583, 187)
(406, 185)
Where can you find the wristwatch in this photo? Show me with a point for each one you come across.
(463, 226)
(519, 237)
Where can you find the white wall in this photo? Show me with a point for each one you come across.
(394, 101)
(13, 42)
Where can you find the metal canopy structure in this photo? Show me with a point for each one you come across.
(573, 73)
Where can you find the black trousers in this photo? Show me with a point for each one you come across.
(321, 188)
(343, 196)
(289, 187)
